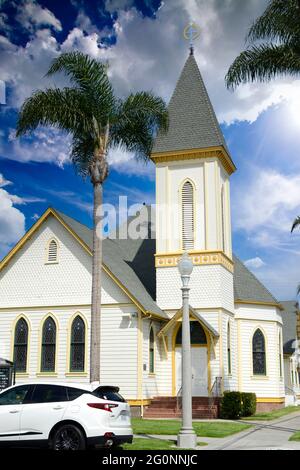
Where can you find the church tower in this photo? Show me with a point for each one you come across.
(193, 167)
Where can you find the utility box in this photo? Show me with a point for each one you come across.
(7, 373)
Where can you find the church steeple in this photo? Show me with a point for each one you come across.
(193, 123)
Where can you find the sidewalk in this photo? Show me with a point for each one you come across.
(263, 435)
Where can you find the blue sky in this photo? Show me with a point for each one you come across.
(143, 42)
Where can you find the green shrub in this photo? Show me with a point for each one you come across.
(231, 405)
(248, 404)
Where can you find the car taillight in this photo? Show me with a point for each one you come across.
(103, 406)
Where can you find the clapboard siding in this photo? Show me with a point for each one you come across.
(29, 281)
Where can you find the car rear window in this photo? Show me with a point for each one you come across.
(74, 393)
(107, 393)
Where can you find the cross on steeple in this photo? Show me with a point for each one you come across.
(191, 32)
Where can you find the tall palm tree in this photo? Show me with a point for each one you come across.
(97, 121)
(273, 46)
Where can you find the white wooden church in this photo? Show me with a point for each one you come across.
(237, 329)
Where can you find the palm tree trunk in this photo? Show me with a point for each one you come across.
(96, 287)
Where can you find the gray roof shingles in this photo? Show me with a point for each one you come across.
(132, 263)
(289, 318)
(193, 123)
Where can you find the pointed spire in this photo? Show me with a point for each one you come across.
(193, 123)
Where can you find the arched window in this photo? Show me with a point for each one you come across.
(77, 350)
(229, 349)
(280, 353)
(52, 255)
(259, 353)
(48, 345)
(187, 216)
(223, 218)
(151, 352)
(198, 335)
(21, 345)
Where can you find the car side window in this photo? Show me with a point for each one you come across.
(48, 394)
(74, 393)
(14, 396)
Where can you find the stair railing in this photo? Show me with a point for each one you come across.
(215, 392)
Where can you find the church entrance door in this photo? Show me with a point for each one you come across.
(199, 371)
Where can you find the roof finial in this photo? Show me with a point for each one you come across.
(191, 32)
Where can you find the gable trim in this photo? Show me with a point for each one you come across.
(257, 302)
(35, 227)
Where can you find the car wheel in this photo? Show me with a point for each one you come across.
(68, 437)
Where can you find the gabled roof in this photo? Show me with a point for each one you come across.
(289, 328)
(248, 288)
(130, 263)
(193, 123)
(115, 263)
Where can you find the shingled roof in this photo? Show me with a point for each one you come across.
(289, 318)
(248, 287)
(132, 263)
(193, 123)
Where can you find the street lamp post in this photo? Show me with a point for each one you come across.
(187, 437)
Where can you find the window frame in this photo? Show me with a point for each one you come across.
(151, 351)
(42, 344)
(70, 342)
(17, 321)
(193, 191)
(264, 352)
(229, 357)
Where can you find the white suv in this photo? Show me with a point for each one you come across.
(63, 415)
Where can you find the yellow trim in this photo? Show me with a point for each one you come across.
(239, 358)
(270, 400)
(256, 302)
(140, 356)
(207, 346)
(154, 350)
(32, 230)
(83, 373)
(259, 376)
(140, 402)
(40, 339)
(46, 374)
(199, 258)
(192, 154)
(12, 344)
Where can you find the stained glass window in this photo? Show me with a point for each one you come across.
(21, 345)
(228, 349)
(259, 353)
(77, 358)
(151, 351)
(198, 335)
(48, 346)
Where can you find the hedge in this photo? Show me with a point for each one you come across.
(234, 405)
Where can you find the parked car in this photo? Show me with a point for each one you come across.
(64, 416)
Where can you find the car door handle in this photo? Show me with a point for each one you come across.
(58, 407)
(15, 411)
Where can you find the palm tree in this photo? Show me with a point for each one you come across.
(277, 32)
(97, 121)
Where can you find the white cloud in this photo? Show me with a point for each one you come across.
(32, 15)
(4, 181)
(254, 263)
(12, 222)
(267, 204)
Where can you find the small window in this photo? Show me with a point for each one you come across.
(151, 351)
(229, 349)
(49, 394)
(21, 346)
(259, 353)
(198, 335)
(52, 252)
(15, 396)
(77, 350)
(188, 222)
(223, 219)
(280, 354)
(48, 346)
